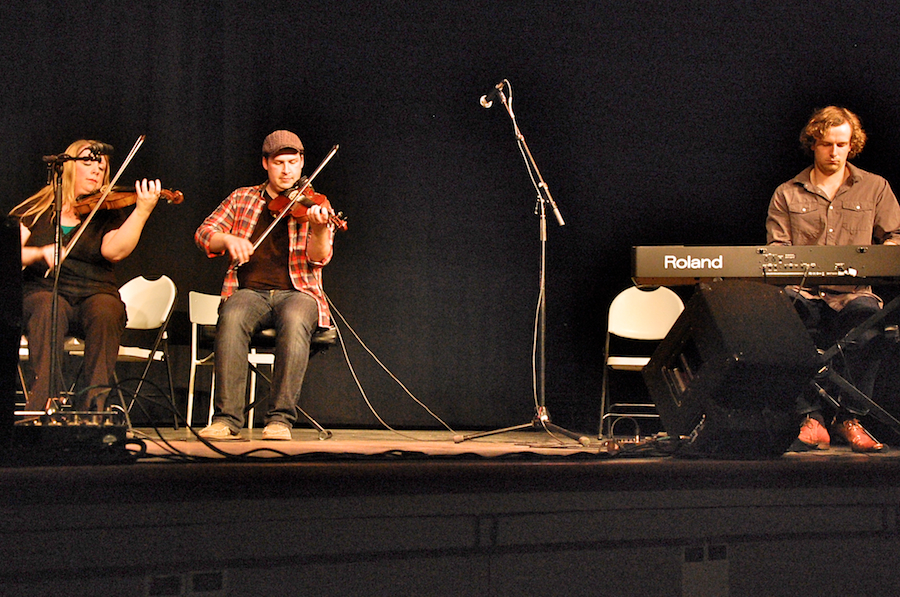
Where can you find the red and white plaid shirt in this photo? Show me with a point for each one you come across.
(238, 215)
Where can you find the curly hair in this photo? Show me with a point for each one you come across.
(826, 118)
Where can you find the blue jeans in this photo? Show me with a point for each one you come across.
(295, 316)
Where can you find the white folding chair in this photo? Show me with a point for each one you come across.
(203, 313)
(645, 316)
(148, 306)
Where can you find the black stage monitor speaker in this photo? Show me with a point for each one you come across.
(10, 327)
(728, 374)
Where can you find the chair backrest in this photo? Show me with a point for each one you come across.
(203, 309)
(640, 314)
(148, 303)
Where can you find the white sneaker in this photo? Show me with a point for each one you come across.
(219, 431)
(277, 431)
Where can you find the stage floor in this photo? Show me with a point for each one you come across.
(115, 444)
(371, 444)
(310, 444)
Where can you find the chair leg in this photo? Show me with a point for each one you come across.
(192, 381)
(604, 391)
(212, 397)
(165, 358)
(252, 398)
(126, 408)
(171, 387)
(190, 397)
(254, 370)
(323, 433)
(22, 382)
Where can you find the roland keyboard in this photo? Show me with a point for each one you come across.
(776, 264)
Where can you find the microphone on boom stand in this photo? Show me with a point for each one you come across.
(487, 100)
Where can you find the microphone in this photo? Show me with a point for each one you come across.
(487, 100)
(98, 149)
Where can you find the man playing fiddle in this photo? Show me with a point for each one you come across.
(277, 285)
(88, 302)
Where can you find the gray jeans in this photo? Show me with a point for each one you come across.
(294, 315)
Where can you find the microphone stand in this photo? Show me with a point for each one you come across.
(55, 177)
(541, 419)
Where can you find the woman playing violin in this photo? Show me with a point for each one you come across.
(88, 303)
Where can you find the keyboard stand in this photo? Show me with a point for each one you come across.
(827, 372)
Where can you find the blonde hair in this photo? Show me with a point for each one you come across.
(37, 204)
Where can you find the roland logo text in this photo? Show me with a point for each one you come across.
(688, 262)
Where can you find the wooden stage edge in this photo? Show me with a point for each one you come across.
(375, 512)
(416, 458)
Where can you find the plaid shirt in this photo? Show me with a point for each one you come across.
(238, 215)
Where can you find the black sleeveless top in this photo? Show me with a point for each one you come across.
(85, 271)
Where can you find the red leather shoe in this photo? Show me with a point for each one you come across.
(858, 438)
(813, 434)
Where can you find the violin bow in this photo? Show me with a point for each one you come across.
(100, 201)
(295, 197)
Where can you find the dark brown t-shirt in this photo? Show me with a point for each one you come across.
(268, 266)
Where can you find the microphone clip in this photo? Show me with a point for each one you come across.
(487, 100)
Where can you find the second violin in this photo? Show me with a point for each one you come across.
(302, 204)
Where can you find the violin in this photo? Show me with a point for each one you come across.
(302, 205)
(118, 198)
